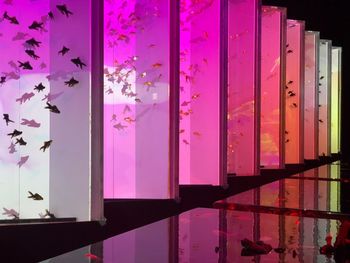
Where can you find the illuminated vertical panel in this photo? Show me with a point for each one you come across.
(294, 105)
(243, 82)
(336, 99)
(311, 95)
(19, 99)
(140, 115)
(66, 172)
(203, 87)
(273, 54)
(324, 98)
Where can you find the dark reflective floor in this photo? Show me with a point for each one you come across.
(295, 215)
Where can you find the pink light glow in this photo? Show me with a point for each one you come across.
(272, 86)
(243, 78)
(311, 95)
(294, 107)
(137, 111)
(200, 91)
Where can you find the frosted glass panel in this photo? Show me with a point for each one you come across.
(311, 95)
(243, 82)
(273, 54)
(336, 99)
(138, 99)
(45, 99)
(294, 105)
(202, 92)
(324, 98)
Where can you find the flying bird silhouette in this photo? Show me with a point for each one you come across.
(23, 160)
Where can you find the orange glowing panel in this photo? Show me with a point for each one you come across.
(312, 40)
(294, 105)
(273, 53)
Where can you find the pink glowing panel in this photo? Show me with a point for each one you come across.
(202, 92)
(324, 98)
(33, 75)
(139, 113)
(273, 52)
(311, 95)
(294, 105)
(243, 83)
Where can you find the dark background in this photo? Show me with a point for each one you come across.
(332, 19)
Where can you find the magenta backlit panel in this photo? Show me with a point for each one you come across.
(273, 54)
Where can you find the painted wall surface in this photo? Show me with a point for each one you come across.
(243, 87)
(61, 172)
(138, 97)
(336, 99)
(202, 92)
(294, 105)
(311, 95)
(324, 98)
(273, 52)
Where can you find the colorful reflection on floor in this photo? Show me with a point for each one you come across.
(284, 219)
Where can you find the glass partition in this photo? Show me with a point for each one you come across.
(312, 40)
(336, 99)
(140, 94)
(324, 98)
(273, 53)
(294, 105)
(50, 101)
(203, 88)
(243, 87)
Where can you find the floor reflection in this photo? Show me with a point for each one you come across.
(293, 216)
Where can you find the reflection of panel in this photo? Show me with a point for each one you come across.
(193, 243)
(324, 98)
(336, 99)
(147, 244)
(202, 95)
(334, 194)
(243, 78)
(139, 99)
(294, 106)
(67, 174)
(311, 95)
(273, 54)
(243, 227)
